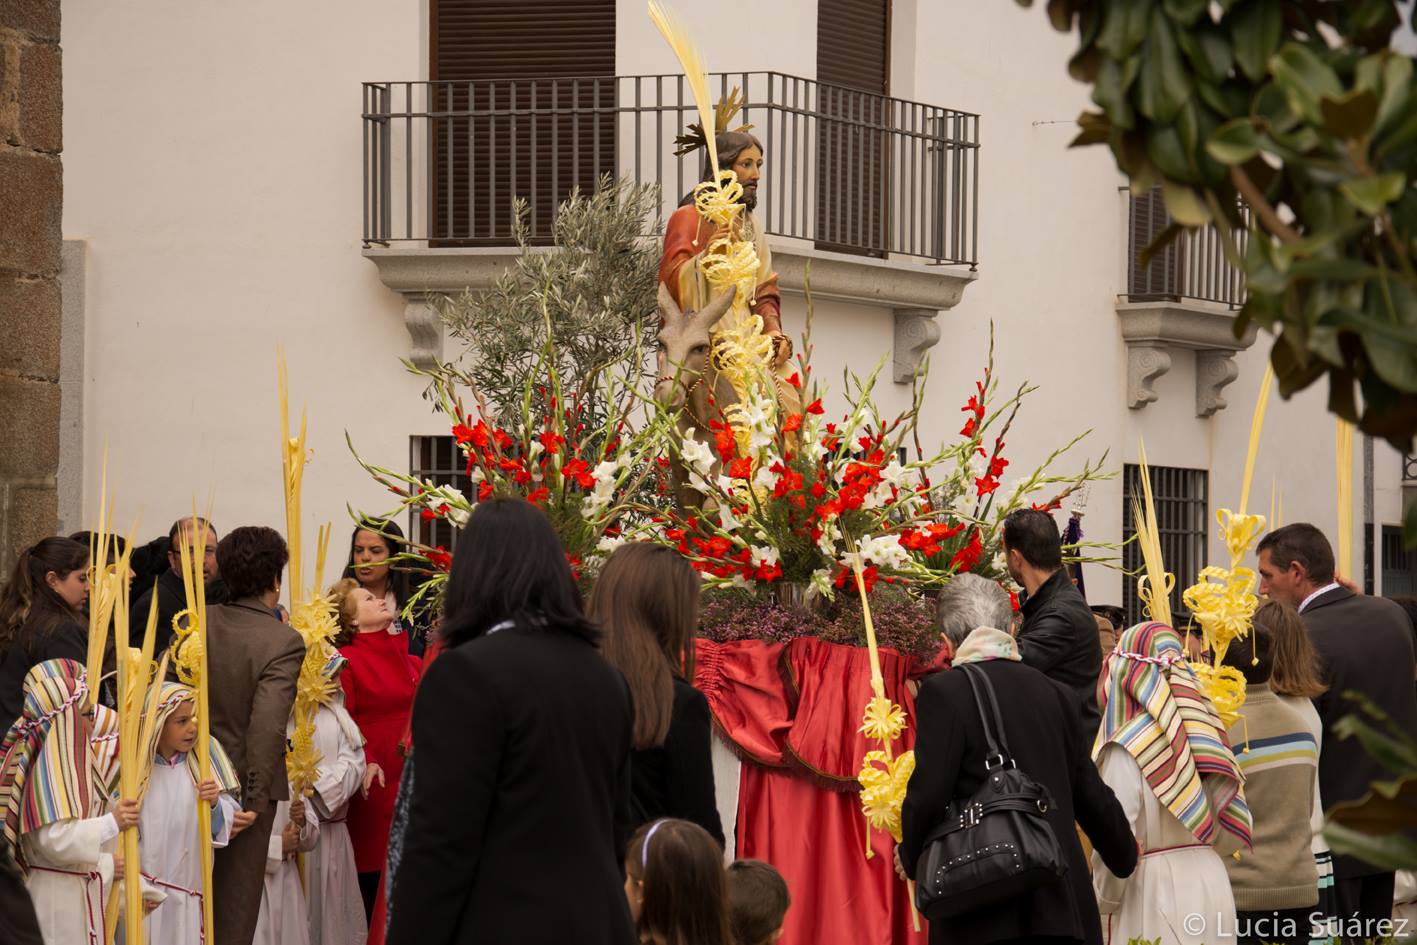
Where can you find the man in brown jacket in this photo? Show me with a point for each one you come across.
(253, 660)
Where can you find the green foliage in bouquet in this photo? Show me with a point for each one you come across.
(595, 288)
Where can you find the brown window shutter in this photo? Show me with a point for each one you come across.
(1161, 279)
(539, 80)
(853, 153)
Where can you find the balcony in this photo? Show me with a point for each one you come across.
(881, 194)
(1185, 299)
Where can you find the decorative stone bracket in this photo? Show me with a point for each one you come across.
(914, 292)
(1153, 331)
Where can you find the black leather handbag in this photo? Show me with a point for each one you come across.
(996, 845)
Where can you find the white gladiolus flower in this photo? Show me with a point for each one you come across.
(727, 519)
(459, 515)
(609, 543)
(765, 478)
(893, 473)
(763, 554)
(697, 454)
(821, 583)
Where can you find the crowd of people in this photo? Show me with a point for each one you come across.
(528, 767)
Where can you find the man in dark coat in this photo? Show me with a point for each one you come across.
(1059, 634)
(170, 590)
(1365, 645)
(253, 661)
(1040, 734)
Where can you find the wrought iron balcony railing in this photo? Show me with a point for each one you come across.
(1192, 266)
(847, 170)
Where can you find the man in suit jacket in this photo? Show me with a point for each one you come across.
(1365, 644)
(1059, 634)
(252, 663)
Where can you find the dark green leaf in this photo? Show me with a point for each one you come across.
(1351, 114)
(1228, 100)
(1185, 12)
(1164, 84)
(1304, 78)
(1409, 526)
(1108, 93)
(1234, 142)
(1123, 26)
(1207, 47)
(1164, 147)
(1390, 853)
(1256, 27)
(1389, 807)
(1397, 86)
(1371, 194)
(1337, 270)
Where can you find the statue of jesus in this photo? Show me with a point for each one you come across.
(687, 237)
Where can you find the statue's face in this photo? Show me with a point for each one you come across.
(749, 168)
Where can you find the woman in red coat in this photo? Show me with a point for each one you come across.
(378, 692)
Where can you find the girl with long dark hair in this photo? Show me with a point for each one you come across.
(646, 601)
(676, 886)
(521, 734)
(41, 615)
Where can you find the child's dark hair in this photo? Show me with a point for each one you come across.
(757, 901)
(685, 895)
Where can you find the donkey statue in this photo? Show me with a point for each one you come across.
(686, 379)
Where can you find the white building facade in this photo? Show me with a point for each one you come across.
(246, 177)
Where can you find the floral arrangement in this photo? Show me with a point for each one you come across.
(804, 500)
(587, 478)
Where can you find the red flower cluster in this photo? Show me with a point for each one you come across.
(927, 540)
(975, 408)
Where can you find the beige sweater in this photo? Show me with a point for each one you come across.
(1278, 756)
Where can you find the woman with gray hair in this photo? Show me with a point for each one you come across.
(1040, 727)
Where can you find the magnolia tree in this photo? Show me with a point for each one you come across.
(1301, 112)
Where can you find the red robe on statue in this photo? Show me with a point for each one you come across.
(686, 236)
(792, 712)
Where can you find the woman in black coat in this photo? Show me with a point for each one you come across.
(41, 616)
(520, 780)
(646, 601)
(1040, 719)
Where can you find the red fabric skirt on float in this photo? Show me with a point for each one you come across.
(791, 712)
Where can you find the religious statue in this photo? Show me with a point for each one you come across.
(688, 236)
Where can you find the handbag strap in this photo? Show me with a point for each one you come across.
(998, 751)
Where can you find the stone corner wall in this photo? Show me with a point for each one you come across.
(31, 200)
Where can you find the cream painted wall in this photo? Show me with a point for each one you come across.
(212, 164)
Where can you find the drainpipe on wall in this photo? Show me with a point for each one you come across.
(1369, 564)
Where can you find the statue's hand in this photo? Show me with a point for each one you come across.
(781, 347)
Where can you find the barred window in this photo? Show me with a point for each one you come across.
(1182, 498)
(1399, 565)
(436, 458)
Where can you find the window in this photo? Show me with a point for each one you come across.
(527, 92)
(1182, 498)
(437, 458)
(854, 128)
(1399, 565)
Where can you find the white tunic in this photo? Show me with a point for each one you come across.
(336, 908)
(172, 856)
(284, 918)
(70, 874)
(1175, 877)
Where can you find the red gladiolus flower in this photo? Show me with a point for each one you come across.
(768, 571)
(740, 468)
(815, 407)
(426, 515)
(1052, 506)
(439, 558)
(726, 442)
(538, 495)
(996, 466)
(967, 557)
(1013, 601)
(795, 380)
(986, 485)
(792, 422)
(969, 427)
(552, 441)
(462, 433)
(578, 471)
(484, 491)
